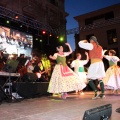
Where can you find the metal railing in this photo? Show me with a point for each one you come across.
(7, 13)
(100, 24)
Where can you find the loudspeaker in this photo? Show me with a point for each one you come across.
(29, 77)
(118, 110)
(99, 113)
(31, 89)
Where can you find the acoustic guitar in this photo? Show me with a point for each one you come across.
(39, 74)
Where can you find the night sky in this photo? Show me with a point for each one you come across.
(79, 7)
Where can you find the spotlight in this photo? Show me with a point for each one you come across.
(7, 21)
(50, 35)
(16, 16)
(20, 25)
(40, 40)
(43, 32)
(61, 39)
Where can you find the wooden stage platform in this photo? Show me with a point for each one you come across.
(54, 108)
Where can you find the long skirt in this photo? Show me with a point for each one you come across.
(83, 76)
(96, 71)
(112, 79)
(63, 79)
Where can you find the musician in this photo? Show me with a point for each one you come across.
(22, 56)
(2, 60)
(39, 72)
(30, 67)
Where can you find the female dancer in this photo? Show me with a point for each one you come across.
(78, 65)
(63, 79)
(112, 79)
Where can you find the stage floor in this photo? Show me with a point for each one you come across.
(54, 108)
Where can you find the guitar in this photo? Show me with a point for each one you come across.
(39, 74)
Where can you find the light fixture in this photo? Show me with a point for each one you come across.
(40, 40)
(7, 21)
(43, 32)
(20, 25)
(16, 16)
(50, 35)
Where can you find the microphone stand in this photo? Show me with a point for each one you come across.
(11, 97)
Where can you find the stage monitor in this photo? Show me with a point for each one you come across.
(100, 113)
(15, 42)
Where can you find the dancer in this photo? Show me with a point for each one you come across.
(63, 79)
(96, 69)
(112, 79)
(78, 66)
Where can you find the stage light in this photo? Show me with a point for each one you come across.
(43, 32)
(50, 35)
(20, 25)
(61, 39)
(57, 36)
(16, 16)
(7, 21)
(40, 40)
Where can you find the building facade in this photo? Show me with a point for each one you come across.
(104, 24)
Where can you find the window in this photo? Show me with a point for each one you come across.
(109, 15)
(88, 21)
(112, 36)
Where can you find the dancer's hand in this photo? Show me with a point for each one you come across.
(104, 51)
(67, 44)
(50, 57)
(85, 41)
(86, 53)
(69, 47)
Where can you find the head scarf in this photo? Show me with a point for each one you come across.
(94, 39)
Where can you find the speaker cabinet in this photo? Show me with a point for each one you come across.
(29, 77)
(31, 89)
(99, 113)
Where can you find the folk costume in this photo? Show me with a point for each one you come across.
(96, 69)
(78, 66)
(63, 79)
(112, 79)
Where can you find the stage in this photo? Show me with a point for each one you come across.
(54, 108)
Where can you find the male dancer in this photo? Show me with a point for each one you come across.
(96, 69)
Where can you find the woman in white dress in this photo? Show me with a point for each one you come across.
(78, 66)
(112, 79)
